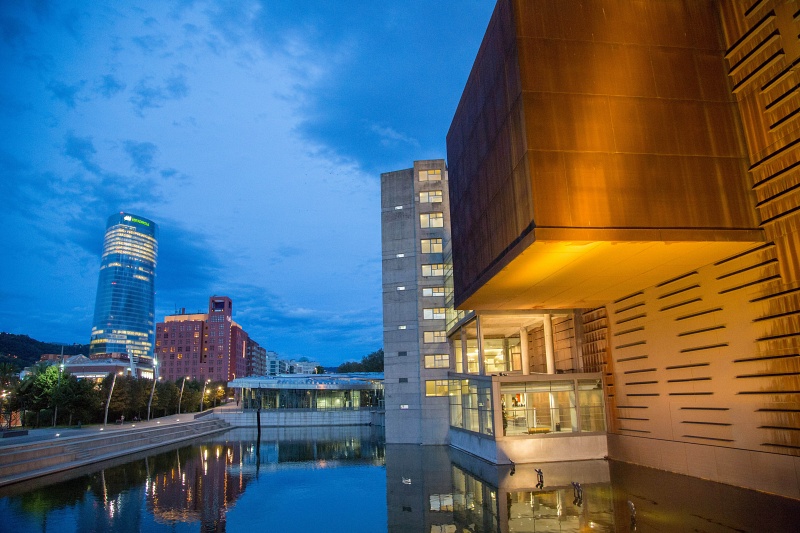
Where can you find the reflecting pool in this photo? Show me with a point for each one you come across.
(348, 479)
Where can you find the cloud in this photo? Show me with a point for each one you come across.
(141, 154)
(109, 86)
(64, 92)
(148, 95)
(150, 43)
(14, 31)
(391, 137)
(82, 150)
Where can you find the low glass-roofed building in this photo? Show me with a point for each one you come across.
(318, 391)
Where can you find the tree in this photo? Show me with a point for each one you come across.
(369, 363)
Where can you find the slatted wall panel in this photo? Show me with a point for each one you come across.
(763, 55)
(536, 350)
(710, 357)
(563, 341)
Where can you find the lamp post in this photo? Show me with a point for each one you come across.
(110, 392)
(181, 395)
(216, 395)
(153, 390)
(203, 397)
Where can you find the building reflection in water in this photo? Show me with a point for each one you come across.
(195, 484)
(442, 490)
(204, 483)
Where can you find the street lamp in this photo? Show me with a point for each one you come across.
(203, 397)
(216, 395)
(58, 387)
(181, 396)
(110, 392)
(153, 390)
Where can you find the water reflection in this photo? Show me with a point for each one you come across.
(194, 487)
(347, 479)
(441, 490)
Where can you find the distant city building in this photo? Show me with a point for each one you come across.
(204, 346)
(275, 365)
(124, 312)
(415, 223)
(302, 366)
(95, 368)
(256, 359)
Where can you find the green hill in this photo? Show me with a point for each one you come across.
(23, 351)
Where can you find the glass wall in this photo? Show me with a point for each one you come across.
(539, 407)
(324, 399)
(590, 399)
(501, 354)
(471, 405)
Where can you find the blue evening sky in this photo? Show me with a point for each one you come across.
(253, 132)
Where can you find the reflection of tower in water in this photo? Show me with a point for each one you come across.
(197, 485)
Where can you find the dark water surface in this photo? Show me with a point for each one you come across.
(348, 480)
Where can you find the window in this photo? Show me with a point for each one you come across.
(401, 288)
(401, 327)
(433, 291)
(431, 220)
(433, 313)
(402, 354)
(430, 197)
(439, 360)
(436, 269)
(430, 175)
(403, 380)
(436, 387)
(431, 246)
(434, 336)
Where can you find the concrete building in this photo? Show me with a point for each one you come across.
(415, 222)
(203, 346)
(124, 311)
(628, 173)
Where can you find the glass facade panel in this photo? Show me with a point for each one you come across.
(471, 406)
(590, 400)
(539, 407)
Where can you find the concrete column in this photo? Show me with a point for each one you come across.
(481, 366)
(464, 358)
(523, 344)
(549, 351)
(577, 340)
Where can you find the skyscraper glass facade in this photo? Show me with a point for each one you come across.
(124, 311)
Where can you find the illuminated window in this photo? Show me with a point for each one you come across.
(431, 246)
(439, 360)
(433, 313)
(434, 336)
(436, 269)
(430, 175)
(430, 197)
(436, 387)
(431, 220)
(433, 291)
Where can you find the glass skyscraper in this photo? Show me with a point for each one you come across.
(124, 312)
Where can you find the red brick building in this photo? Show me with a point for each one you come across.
(202, 345)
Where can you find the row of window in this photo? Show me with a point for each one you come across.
(427, 291)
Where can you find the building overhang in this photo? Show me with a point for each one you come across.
(562, 268)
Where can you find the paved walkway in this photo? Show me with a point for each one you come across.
(44, 434)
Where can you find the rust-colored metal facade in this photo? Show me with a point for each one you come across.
(625, 134)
